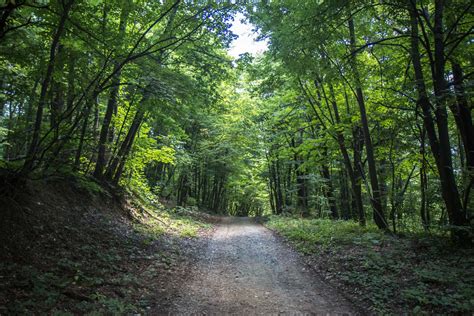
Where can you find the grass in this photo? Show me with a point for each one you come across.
(385, 274)
(306, 233)
(183, 223)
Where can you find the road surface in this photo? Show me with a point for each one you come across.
(247, 270)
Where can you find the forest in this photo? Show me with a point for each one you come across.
(354, 127)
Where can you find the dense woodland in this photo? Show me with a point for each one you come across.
(358, 110)
(355, 125)
(373, 109)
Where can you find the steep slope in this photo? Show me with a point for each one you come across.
(70, 245)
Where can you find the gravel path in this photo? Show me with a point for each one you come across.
(247, 270)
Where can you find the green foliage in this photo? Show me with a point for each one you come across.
(306, 234)
(89, 185)
(111, 306)
(309, 84)
(390, 274)
(145, 152)
(181, 221)
(143, 95)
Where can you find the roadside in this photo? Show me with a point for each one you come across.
(381, 273)
(69, 246)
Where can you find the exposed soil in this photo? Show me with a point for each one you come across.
(63, 249)
(246, 269)
(66, 250)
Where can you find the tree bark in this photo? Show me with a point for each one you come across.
(329, 191)
(33, 148)
(376, 198)
(112, 101)
(424, 211)
(439, 141)
(57, 92)
(463, 118)
(112, 172)
(77, 158)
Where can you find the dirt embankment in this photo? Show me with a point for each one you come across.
(75, 247)
(69, 245)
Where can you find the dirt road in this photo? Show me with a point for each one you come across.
(247, 270)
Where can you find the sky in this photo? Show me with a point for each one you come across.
(245, 43)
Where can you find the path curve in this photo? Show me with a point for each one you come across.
(247, 270)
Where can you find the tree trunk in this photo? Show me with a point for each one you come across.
(463, 118)
(354, 174)
(121, 156)
(329, 191)
(77, 159)
(57, 92)
(71, 81)
(302, 192)
(376, 198)
(358, 146)
(439, 142)
(424, 212)
(345, 197)
(278, 187)
(2, 100)
(112, 101)
(33, 148)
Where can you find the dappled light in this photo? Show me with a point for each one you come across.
(246, 270)
(236, 157)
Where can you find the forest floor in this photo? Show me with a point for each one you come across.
(246, 269)
(70, 247)
(415, 274)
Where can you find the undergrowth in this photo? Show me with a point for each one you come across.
(385, 274)
(306, 233)
(182, 222)
(82, 255)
